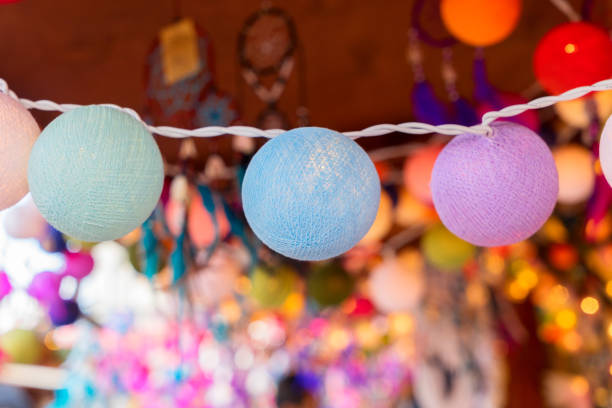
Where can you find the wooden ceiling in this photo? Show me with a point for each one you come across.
(356, 72)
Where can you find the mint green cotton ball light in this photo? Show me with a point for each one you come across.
(95, 173)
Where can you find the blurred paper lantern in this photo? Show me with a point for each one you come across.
(382, 223)
(311, 193)
(329, 284)
(95, 173)
(417, 172)
(78, 264)
(216, 281)
(576, 173)
(444, 250)
(575, 112)
(480, 22)
(605, 151)
(572, 55)
(200, 223)
(498, 190)
(24, 220)
(270, 287)
(63, 312)
(529, 118)
(397, 284)
(410, 211)
(21, 346)
(44, 287)
(19, 131)
(5, 285)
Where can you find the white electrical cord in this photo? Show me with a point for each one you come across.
(414, 128)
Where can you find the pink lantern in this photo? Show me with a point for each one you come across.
(24, 220)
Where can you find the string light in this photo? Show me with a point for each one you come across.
(415, 128)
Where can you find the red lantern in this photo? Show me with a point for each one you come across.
(8, 1)
(572, 55)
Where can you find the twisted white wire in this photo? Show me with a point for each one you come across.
(414, 128)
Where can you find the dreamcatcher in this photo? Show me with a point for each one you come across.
(267, 48)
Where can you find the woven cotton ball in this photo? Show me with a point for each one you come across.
(24, 220)
(444, 250)
(498, 190)
(21, 346)
(417, 172)
(398, 284)
(310, 193)
(576, 173)
(270, 287)
(95, 173)
(18, 132)
(605, 150)
(480, 22)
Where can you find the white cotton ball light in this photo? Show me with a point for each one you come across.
(311, 193)
(576, 173)
(95, 173)
(23, 220)
(398, 283)
(18, 132)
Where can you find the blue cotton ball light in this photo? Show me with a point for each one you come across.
(310, 193)
(95, 173)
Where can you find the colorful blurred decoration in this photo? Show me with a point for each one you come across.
(605, 151)
(575, 166)
(270, 287)
(78, 264)
(417, 172)
(480, 22)
(329, 284)
(496, 210)
(5, 285)
(444, 250)
(20, 130)
(397, 284)
(45, 286)
(382, 223)
(410, 211)
(21, 346)
(23, 220)
(63, 312)
(571, 55)
(95, 173)
(217, 280)
(326, 171)
(577, 113)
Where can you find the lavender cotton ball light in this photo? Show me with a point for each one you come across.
(498, 190)
(310, 193)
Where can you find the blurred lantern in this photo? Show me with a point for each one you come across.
(575, 112)
(576, 173)
(202, 228)
(572, 55)
(417, 172)
(215, 282)
(24, 220)
(444, 250)
(270, 287)
(410, 211)
(19, 130)
(358, 306)
(21, 346)
(480, 22)
(5, 285)
(44, 287)
(329, 284)
(397, 284)
(78, 264)
(382, 223)
(563, 256)
(293, 306)
(63, 312)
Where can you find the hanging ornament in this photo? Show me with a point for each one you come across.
(178, 70)
(296, 189)
(216, 108)
(266, 47)
(95, 173)
(444, 250)
(462, 111)
(502, 199)
(575, 166)
(480, 22)
(573, 55)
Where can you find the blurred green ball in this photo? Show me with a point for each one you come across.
(329, 284)
(270, 287)
(21, 346)
(444, 250)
